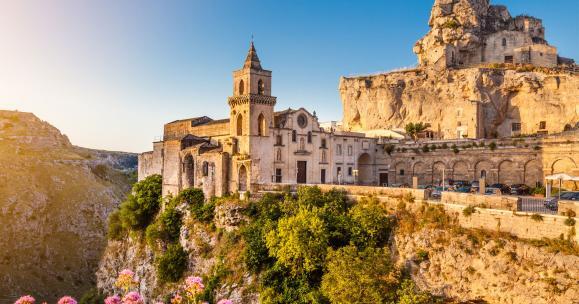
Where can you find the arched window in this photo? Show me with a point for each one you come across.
(261, 125)
(241, 87)
(504, 41)
(278, 155)
(302, 144)
(294, 135)
(205, 168)
(260, 87)
(309, 137)
(239, 125)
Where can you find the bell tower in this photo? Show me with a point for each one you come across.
(251, 105)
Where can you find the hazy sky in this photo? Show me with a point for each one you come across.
(110, 73)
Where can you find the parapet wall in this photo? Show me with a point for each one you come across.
(477, 200)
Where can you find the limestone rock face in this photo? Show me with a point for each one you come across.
(495, 270)
(54, 202)
(448, 100)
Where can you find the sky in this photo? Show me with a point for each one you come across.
(110, 73)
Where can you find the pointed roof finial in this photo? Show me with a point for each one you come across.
(252, 61)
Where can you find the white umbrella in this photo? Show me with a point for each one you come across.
(562, 177)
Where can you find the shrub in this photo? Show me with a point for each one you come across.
(425, 149)
(468, 211)
(354, 276)
(255, 253)
(138, 211)
(172, 264)
(92, 296)
(432, 147)
(421, 255)
(570, 213)
(167, 227)
(115, 231)
(200, 209)
(493, 146)
(451, 24)
(280, 286)
(389, 148)
(370, 225)
(570, 221)
(191, 196)
(408, 294)
(537, 217)
(445, 146)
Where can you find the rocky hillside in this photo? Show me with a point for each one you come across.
(445, 99)
(54, 203)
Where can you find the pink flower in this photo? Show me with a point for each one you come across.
(67, 300)
(25, 300)
(225, 301)
(133, 298)
(193, 285)
(113, 300)
(127, 272)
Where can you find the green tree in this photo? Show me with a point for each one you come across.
(354, 276)
(300, 242)
(138, 211)
(413, 129)
(172, 264)
(407, 294)
(370, 224)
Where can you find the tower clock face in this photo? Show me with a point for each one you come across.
(302, 121)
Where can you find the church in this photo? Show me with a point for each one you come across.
(256, 145)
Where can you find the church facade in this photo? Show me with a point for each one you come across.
(256, 145)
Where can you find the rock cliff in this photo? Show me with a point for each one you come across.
(54, 203)
(491, 269)
(483, 102)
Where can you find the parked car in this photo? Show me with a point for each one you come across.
(492, 191)
(552, 202)
(505, 189)
(520, 189)
(460, 183)
(475, 186)
(570, 196)
(436, 192)
(463, 189)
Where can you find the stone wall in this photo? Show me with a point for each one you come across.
(477, 200)
(566, 207)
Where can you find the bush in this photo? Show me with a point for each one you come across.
(445, 146)
(255, 253)
(468, 211)
(200, 209)
(92, 296)
(493, 146)
(389, 148)
(370, 226)
(172, 264)
(451, 24)
(138, 211)
(115, 231)
(281, 286)
(421, 255)
(570, 221)
(166, 228)
(354, 276)
(537, 217)
(425, 149)
(408, 294)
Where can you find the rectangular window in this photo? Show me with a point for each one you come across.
(324, 143)
(278, 175)
(349, 171)
(401, 171)
(339, 149)
(294, 136)
(516, 126)
(543, 125)
(350, 150)
(278, 140)
(508, 59)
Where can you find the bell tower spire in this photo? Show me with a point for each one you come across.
(252, 61)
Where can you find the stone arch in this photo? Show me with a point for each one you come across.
(533, 173)
(188, 171)
(460, 170)
(242, 179)
(261, 125)
(437, 173)
(239, 125)
(483, 168)
(400, 176)
(419, 170)
(563, 165)
(508, 173)
(365, 175)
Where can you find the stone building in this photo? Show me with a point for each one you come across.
(471, 32)
(255, 145)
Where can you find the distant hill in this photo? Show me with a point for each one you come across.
(54, 203)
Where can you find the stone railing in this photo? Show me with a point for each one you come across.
(478, 200)
(417, 194)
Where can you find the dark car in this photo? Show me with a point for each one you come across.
(460, 183)
(505, 189)
(553, 202)
(520, 189)
(462, 189)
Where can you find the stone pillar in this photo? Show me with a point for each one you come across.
(548, 186)
(482, 185)
(415, 182)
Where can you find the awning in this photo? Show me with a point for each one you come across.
(562, 177)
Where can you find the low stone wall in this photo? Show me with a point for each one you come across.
(418, 194)
(478, 200)
(565, 206)
(519, 224)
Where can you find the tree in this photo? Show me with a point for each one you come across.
(299, 242)
(354, 276)
(138, 211)
(413, 129)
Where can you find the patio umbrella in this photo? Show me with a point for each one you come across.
(562, 177)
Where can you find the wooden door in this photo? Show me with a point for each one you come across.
(323, 176)
(383, 179)
(302, 167)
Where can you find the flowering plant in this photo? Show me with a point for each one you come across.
(225, 301)
(133, 297)
(113, 300)
(25, 300)
(67, 300)
(126, 280)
